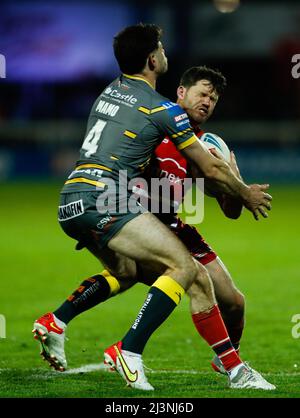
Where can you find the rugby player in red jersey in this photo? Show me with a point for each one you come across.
(198, 94)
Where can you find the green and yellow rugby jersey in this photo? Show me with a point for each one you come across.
(127, 121)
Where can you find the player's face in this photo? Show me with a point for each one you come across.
(161, 61)
(198, 101)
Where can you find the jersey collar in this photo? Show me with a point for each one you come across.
(134, 77)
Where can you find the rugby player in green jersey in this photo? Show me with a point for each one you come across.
(126, 123)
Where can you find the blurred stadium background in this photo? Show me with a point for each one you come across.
(58, 59)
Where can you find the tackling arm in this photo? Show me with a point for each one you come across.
(215, 169)
(231, 207)
(253, 197)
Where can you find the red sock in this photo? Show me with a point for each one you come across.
(212, 328)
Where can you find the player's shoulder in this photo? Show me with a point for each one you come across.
(163, 102)
(163, 107)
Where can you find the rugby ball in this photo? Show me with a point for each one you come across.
(214, 141)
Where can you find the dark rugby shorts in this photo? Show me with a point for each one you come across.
(79, 218)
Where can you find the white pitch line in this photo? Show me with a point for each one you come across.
(86, 369)
(101, 367)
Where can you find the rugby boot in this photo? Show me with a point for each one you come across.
(129, 365)
(248, 378)
(52, 340)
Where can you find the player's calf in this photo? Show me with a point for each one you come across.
(234, 318)
(230, 300)
(201, 292)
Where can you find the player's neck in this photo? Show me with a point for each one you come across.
(195, 125)
(149, 78)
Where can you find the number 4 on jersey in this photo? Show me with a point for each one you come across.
(91, 142)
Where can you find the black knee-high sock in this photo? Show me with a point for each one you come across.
(90, 293)
(163, 297)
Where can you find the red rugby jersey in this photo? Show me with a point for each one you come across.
(171, 164)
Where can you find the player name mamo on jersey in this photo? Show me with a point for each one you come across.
(107, 108)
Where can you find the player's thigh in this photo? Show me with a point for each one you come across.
(125, 269)
(148, 241)
(121, 267)
(226, 292)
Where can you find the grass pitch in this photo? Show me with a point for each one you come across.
(39, 269)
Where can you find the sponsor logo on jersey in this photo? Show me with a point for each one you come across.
(95, 172)
(172, 161)
(124, 86)
(71, 210)
(176, 112)
(183, 122)
(119, 84)
(181, 119)
(178, 118)
(121, 98)
(171, 177)
(107, 108)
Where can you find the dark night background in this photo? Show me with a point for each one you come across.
(59, 58)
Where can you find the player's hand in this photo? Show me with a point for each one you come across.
(257, 201)
(217, 154)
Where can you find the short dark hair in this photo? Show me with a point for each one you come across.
(194, 74)
(133, 45)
